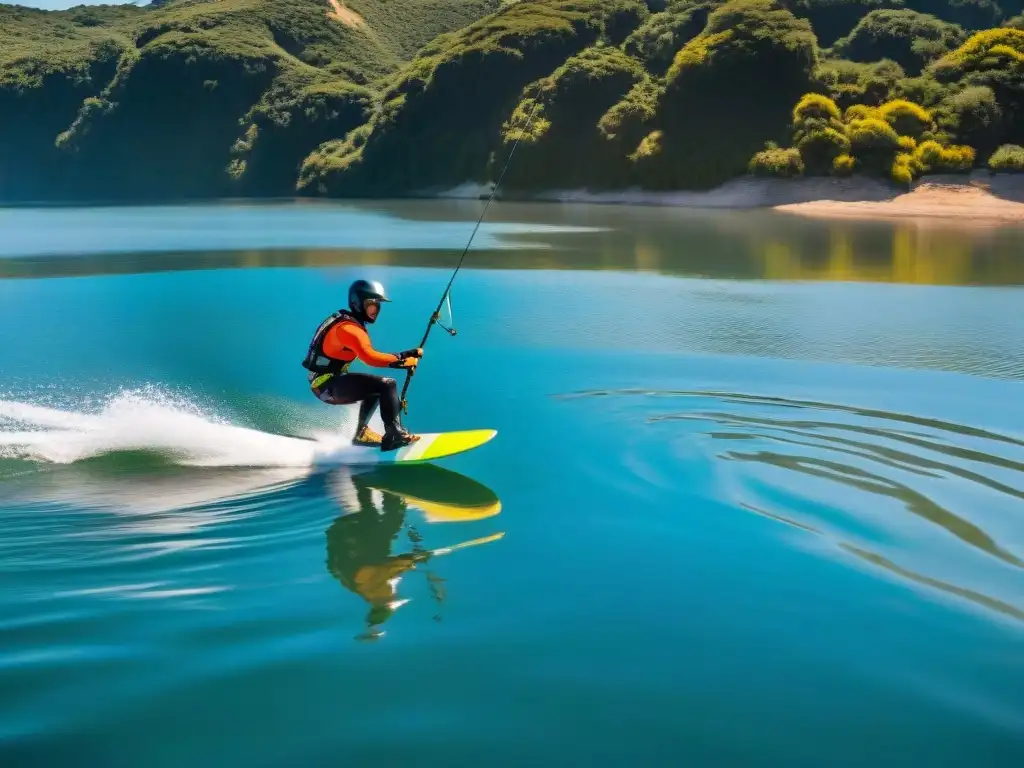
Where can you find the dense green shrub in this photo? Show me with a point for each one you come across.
(872, 134)
(818, 132)
(440, 121)
(288, 123)
(990, 52)
(820, 147)
(831, 19)
(969, 14)
(656, 41)
(973, 116)
(923, 90)
(993, 58)
(1009, 158)
(782, 163)
(932, 157)
(909, 38)
(563, 144)
(728, 91)
(626, 124)
(906, 117)
(850, 82)
(895, 139)
(903, 168)
(874, 144)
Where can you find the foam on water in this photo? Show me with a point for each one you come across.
(173, 427)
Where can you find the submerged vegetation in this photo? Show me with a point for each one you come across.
(196, 98)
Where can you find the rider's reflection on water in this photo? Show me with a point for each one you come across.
(366, 549)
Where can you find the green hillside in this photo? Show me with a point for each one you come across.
(194, 98)
(387, 97)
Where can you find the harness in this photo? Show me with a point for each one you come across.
(321, 367)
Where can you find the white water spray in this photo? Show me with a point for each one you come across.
(151, 421)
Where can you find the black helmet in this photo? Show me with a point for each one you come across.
(360, 291)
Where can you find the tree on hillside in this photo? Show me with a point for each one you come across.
(909, 38)
(728, 91)
(441, 119)
(993, 58)
(562, 145)
(831, 19)
(969, 14)
(656, 41)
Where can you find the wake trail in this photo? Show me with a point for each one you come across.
(155, 422)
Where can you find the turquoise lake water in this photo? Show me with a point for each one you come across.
(755, 498)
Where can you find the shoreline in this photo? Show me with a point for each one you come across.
(978, 198)
(966, 204)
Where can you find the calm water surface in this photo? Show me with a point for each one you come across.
(756, 497)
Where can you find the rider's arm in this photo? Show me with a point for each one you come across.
(354, 337)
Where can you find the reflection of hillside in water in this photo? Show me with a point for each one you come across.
(753, 244)
(906, 253)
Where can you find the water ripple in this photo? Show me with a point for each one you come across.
(106, 592)
(932, 502)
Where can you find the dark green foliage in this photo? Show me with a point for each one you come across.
(932, 157)
(831, 19)
(563, 143)
(439, 122)
(851, 82)
(969, 14)
(125, 101)
(906, 117)
(47, 71)
(200, 98)
(656, 41)
(106, 143)
(728, 91)
(923, 90)
(623, 19)
(289, 122)
(909, 38)
(974, 117)
(992, 58)
(626, 124)
(819, 147)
